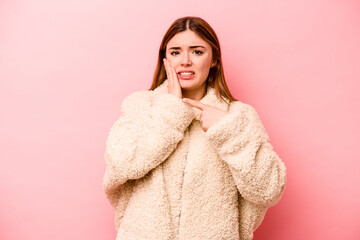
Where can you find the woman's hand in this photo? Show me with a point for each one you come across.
(209, 115)
(173, 81)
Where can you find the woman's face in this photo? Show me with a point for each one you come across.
(188, 52)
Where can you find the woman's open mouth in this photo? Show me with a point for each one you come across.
(186, 75)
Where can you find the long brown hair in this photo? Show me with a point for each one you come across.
(216, 77)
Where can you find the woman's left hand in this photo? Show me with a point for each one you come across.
(209, 115)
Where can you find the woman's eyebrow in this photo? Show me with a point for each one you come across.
(189, 47)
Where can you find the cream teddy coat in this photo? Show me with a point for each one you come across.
(168, 179)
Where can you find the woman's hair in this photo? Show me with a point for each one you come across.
(216, 77)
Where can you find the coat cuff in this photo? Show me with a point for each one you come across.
(171, 110)
(227, 135)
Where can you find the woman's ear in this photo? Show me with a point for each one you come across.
(213, 63)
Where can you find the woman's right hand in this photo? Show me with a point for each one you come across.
(173, 81)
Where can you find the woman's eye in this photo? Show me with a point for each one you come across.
(197, 52)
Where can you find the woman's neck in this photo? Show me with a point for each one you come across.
(196, 94)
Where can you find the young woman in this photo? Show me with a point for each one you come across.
(185, 160)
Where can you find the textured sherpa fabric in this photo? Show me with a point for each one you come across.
(168, 179)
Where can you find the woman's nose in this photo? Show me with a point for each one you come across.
(186, 59)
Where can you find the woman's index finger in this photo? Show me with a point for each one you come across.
(194, 103)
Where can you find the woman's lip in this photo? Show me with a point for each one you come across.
(185, 76)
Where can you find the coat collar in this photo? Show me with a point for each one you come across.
(209, 99)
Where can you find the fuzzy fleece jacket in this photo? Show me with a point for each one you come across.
(167, 179)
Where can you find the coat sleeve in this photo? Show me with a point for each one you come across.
(145, 134)
(241, 141)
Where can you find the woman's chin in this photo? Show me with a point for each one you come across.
(185, 83)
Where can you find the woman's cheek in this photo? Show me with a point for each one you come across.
(173, 64)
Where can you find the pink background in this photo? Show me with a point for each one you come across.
(66, 66)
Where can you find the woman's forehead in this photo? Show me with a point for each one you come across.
(187, 39)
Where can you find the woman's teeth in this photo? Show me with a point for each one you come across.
(186, 73)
